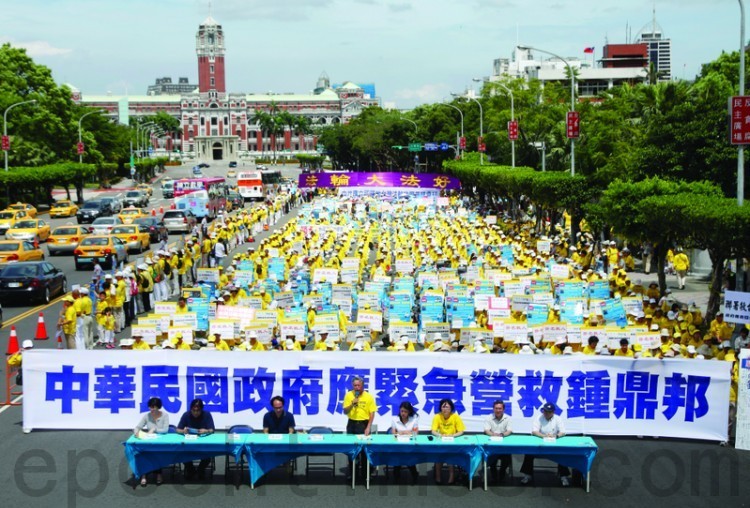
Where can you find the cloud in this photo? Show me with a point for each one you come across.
(288, 10)
(399, 7)
(39, 48)
(425, 93)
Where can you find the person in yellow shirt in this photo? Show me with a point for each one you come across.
(101, 306)
(265, 297)
(624, 349)
(720, 328)
(16, 358)
(220, 344)
(182, 307)
(139, 344)
(681, 266)
(255, 344)
(109, 328)
(446, 423)
(360, 408)
(67, 322)
(178, 344)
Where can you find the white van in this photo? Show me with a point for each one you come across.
(167, 189)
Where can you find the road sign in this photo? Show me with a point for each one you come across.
(80, 148)
(573, 124)
(462, 143)
(444, 146)
(739, 111)
(320, 148)
(132, 172)
(6, 143)
(150, 150)
(430, 147)
(415, 147)
(513, 130)
(480, 144)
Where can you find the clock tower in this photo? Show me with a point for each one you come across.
(209, 46)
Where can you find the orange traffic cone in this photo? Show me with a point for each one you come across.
(161, 208)
(41, 329)
(172, 206)
(59, 341)
(12, 342)
(153, 213)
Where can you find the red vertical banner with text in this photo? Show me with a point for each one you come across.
(574, 123)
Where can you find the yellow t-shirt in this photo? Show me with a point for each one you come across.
(452, 425)
(222, 346)
(141, 345)
(70, 317)
(363, 409)
(628, 353)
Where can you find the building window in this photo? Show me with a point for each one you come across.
(226, 120)
(190, 121)
(211, 68)
(214, 121)
(212, 82)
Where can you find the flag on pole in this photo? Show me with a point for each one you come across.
(590, 49)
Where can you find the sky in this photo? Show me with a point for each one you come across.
(415, 51)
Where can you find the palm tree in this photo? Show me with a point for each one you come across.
(302, 125)
(265, 122)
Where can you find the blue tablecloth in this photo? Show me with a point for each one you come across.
(463, 451)
(146, 455)
(265, 453)
(577, 452)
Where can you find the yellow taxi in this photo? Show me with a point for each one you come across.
(128, 215)
(65, 238)
(8, 219)
(231, 173)
(29, 229)
(134, 236)
(144, 187)
(29, 209)
(19, 250)
(63, 208)
(109, 251)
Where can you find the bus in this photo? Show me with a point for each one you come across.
(271, 180)
(250, 185)
(205, 197)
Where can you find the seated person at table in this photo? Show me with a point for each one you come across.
(278, 420)
(405, 424)
(548, 425)
(446, 424)
(499, 424)
(155, 421)
(200, 422)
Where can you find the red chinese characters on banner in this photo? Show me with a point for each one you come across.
(79, 148)
(574, 123)
(462, 143)
(6, 143)
(481, 147)
(513, 130)
(739, 110)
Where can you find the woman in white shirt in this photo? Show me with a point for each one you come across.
(405, 424)
(155, 421)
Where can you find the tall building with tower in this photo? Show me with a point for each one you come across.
(216, 124)
(658, 47)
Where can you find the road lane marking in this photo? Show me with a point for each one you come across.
(17, 399)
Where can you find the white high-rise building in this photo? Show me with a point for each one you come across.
(659, 48)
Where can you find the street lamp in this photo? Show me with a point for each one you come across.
(572, 101)
(138, 135)
(413, 123)
(5, 125)
(481, 122)
(541, 146)
(739, 277)
(512, 119)
(462, 125)
(80, 155)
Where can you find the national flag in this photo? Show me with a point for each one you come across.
(590, 49)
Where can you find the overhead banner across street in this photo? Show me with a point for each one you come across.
(380, 180)
(596, 396)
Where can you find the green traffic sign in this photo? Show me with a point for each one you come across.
(415, 147)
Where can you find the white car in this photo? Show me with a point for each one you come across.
(104, 225)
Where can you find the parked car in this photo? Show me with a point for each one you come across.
(29, 209)
(135, 199)
(152, 225)
(203, 165)
(63, 208)
(65, 238)
(144, 187)
(8, 219)
(179, 221)
(104, 225)
(108, 250)
(232, 164)
(30, 229)
(231, 173)
(19, 250)
(91, 210)
(115, 205)
(31, 281)
(167, 189)
(135, 237)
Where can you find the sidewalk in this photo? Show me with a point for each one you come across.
(696, 288)
(124, 185)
